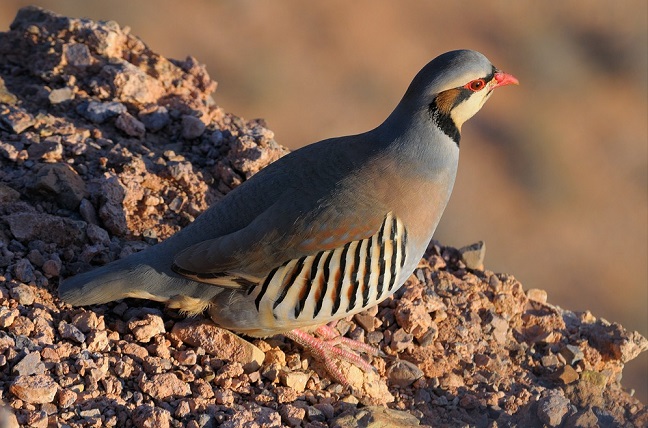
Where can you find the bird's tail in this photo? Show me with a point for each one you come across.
(135, 276)
(114, 281)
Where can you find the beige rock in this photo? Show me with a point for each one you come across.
(295, 380)
(286, 394)
(375, 388)
(66, 398)
(224, 396)
(403, 373)
(537, 295)
(186, 358)
(452, 380)
(6, 343)
(145, 329)
(35, 389)
(632, 346)
(183, 409)
(202, 388)
(473, 255)
(24, 293)
(218, 342)
(147, 416)
(165, 385)
(133, 84)
(7, 316)
(69, 331)
(500, 329)
(369, 384)
(354, 375)
(135, 350)
(97, 341)
(256, 416)
(30, 364)
(160, 347)
(87, 321)
(414, 317)
(292, 416)
(275, 355)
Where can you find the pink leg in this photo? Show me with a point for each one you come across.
(326, 349)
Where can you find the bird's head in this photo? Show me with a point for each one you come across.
(453, 87)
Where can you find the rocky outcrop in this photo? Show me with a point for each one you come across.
(107, 147)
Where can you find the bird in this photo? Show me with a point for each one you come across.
(322, 233)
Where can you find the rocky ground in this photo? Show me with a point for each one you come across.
(106, 148)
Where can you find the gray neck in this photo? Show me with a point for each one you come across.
(419, 142)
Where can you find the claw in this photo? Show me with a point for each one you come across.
(326, 349)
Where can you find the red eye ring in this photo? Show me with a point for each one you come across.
(476, 85)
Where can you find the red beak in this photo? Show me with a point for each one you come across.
(505, 79)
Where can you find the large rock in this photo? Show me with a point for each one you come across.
(30, 226)
(37, 389)
(62, 184)
(218, 342)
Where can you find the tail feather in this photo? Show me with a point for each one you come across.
(130, 277)
(111, 282)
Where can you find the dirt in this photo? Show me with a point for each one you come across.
(107, 148)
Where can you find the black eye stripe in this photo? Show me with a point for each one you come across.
(491, 76)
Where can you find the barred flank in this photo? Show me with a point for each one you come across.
(333, 283)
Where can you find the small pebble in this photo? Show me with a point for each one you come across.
(572, 354)
(58, 96)
(130, 126)
(7, 316)
(403, 373)
(295, 380)
(473, 255)
(155, 119)
(24, 273)
(69, 331)
(99, 112)
(566, 374)
(192, 127)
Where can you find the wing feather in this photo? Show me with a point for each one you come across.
(245, 257)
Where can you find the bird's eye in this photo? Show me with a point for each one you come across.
(476, 85)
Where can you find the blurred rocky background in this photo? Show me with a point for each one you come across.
(554, 172)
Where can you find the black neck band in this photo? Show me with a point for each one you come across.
(445, 123)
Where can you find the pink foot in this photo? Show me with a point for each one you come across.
(331, 335)
(326, 350)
